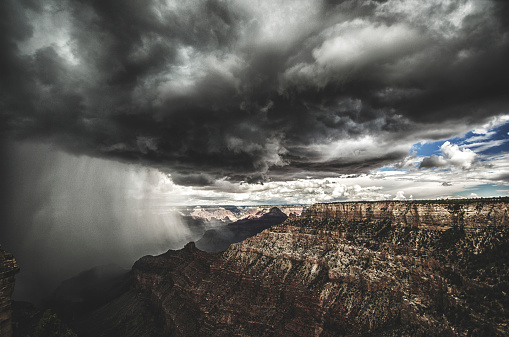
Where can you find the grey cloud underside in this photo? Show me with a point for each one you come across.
(433, 162)
(198, 88)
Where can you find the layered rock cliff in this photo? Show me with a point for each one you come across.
(230, 214)
(469, 213)
(349, 269)
(220, 238)
(8, 268)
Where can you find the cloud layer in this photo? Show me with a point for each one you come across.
(114, 111)
(252, 91)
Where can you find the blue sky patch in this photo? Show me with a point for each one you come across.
(501, 134)
(495, 141)
(485, 190)
(425, 149)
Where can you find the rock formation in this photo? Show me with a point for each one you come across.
(8, 268)
(347, 269)
(220, 238)
(228, 214)
(210, 213)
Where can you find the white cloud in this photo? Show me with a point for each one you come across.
(150, 192)
(453, 154)
(396, 184)
(350, 46)
(184, 78)
(307, 191)
(400, 195)
(442, 18)
(493, 122)
(51, 28)
(278, 22)
(482, 146)
(359, 42)
(350, 149)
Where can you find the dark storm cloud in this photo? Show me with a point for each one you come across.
(433, 162)
(249, 92)
(192, 179)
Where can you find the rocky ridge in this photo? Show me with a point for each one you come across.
(8, 268)
(208, 214)
(220, 238)
(233, 213)
(347, 269)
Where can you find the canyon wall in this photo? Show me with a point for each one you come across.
(8, 268)
(345, 269)
(443, 213)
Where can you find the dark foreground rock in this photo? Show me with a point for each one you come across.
(351, 269)
(8, 268)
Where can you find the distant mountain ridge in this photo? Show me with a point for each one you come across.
(220, 238)
(234, 213)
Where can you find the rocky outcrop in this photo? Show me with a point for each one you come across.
(258, 211)
(220, 238)
(228, 214)
(8, 268)
(210, 213)
(349, 269)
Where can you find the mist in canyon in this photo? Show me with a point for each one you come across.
(62, 214)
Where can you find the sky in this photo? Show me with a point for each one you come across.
(112, 112)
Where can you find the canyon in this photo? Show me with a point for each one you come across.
(346, 269)
(385, 268)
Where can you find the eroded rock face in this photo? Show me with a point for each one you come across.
(445, 213)
(218, 213)
(380, 268)
(8, 268)
(220, 238)
(233, 213)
